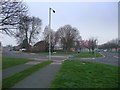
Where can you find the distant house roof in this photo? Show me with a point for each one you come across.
(39, 43)
(40, 46)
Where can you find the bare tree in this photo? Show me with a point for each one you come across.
(93, 43)
(52, 37)
(46, 34)
(35, 29)
(10, 12)
(23, 28)
(112, 44)
(67, 35)
(29, 28)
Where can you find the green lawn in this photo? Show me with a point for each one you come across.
(0, 62)
(10, 62)
(76, 74)
(12, 80)
(88, 55)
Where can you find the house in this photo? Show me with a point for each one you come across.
(40, 46)
(17, 48)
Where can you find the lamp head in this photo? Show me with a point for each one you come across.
(53, 11)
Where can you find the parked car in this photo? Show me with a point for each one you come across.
(105, 50)
(23, 49)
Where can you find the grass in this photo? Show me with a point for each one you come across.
(10, 62)
(0, 72)
(88, 55)
(12, 80)
(0, 62)
(76, 74)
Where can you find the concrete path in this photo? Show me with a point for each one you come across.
(41, 78)
(10, 71)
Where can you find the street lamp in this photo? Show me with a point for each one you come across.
(96, 42)
(50, 9)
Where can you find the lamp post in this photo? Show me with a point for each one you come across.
(96, 42)
(50, 9)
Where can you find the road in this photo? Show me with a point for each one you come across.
(33, 56)
(109, 58)
(44, 77)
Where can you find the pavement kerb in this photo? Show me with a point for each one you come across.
(18, 68)
(42, 78)
(88, 58)
(102, 54)
(116, 56)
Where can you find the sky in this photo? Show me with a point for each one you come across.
(92, 19)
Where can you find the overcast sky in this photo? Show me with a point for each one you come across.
(92, 19)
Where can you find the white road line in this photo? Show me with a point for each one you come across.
(33, 63)
(116, 56)
(37, 59)
(58, 56)
(87, 58)
(56, 63)
(102, 54)
(64, 60)
(32, 53)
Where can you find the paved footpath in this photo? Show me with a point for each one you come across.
(41, 78)
(10, 71)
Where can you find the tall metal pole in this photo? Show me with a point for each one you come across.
(49, 34)
(50, 31)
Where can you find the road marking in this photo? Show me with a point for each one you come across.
(116, 56)
(58, 56)
(56, 63)
(37, 59)
(33, 53)
(87, 58)
(64, 60)
(102, 54)
(33, 62)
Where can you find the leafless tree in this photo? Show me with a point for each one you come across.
(35, 29)
(93, 44)
(23, 28)
(46, 34)
(112, 44)
(67, 35)
(52, 37)
(9, 15)
(29, 28)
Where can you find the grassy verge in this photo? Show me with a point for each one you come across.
(0, 62)
(12, 80)
(88, 55)
(10, 62)
(76, 74)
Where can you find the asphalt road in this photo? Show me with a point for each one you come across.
(33, 56)
(44, 77)
(110, 58)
